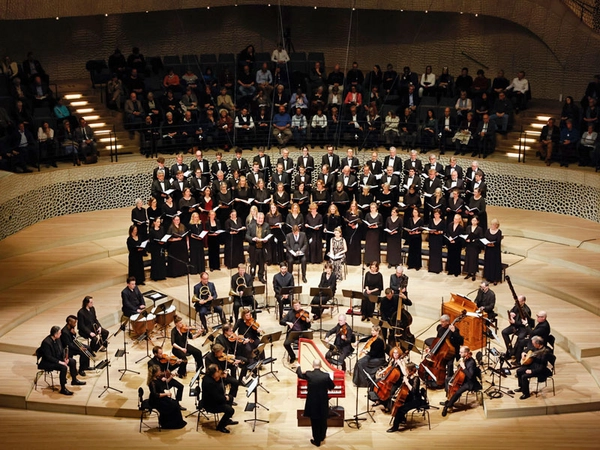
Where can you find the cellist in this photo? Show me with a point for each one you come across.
(456, 340)
(470, 383)
(395, 370)
(412, 397)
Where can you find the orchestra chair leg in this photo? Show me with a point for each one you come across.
(478, 397)
(537, 385)
(45, 373)
(146, 410)
(423, 412)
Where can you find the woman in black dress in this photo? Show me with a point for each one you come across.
(411, 200)
(320, 196)
(314, 234)
(393, 230)
(301, 197)
(414, 239)
(328, 280)
(492, 261)
(340, 198)
(331, 221)
(294, 218)
(282, 200)
(275, 244)
(234, 242)
(386, 199)
(473, 247)
(373, 286)
(178, 250)
(187, 205)
(140, 219)
(454, 245)
(436, 226)
(373, 234)
(353, 235)
(160, 399)
(214, 241)
(153, 212)
(262, 197)
(136, 256)
(364, 199)
(196, 245)
(455, 205)
(477, 201)
(169, 211)
(371, 358)
(223, 202)
(242, 194)
(158, 267)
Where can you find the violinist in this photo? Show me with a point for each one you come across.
(167, 364)
(374, 357)
(68, 336)
(160, 398)
(328, 280)
(471, 374)
(180, 336)
(341, 337)
(412, 397)
(281, 280)
(214, 398)
(249, 332)
(517, 324)
(456, 340)
(296, 320)
(205, 292)
(227, 363)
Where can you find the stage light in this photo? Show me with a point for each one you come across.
(57, 17)
(476, 15)
(105, 15)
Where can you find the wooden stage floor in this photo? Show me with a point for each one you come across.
(553, 260)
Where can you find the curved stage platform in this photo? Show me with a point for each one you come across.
(49, 267)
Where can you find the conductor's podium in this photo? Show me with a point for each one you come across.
(307, 353)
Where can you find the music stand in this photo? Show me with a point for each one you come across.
(144, 335)
(195, 392)
(210, 337)
(124, 352)
(290, 291)
(161, 306)
(221, 301)
(498, 391)
(269, 339)
(321, 292)
(108, 386)
(246, 292)
(259, 290)
(255, 367)
(254, 406)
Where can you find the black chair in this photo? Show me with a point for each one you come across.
(171, 60)
(547, 375)
(43, 372)
(146, 410)
(422, 410)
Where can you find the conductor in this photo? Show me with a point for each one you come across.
(317, 401)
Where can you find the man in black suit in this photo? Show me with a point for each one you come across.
(349, 181)
(410, 99)
(413, 163)
(307, 161)
(255, 236)
(200, 163)
(68, 335)
(429, 187)
(317, 400)
(302, 177)
(354, 126)
(286, 162)
(282, 279)
(327, 177)
(296, 246)
(341, 337)
(132, 299)
(179, 165)
(393, 160)
(486, 300)
(434, 164)
(206, 292)
(219, 165)
(454, 182)
(281, 176)
(214, 398)
(264, 163)
(471, 382)
(197, 183)
(331, 159)
(254, 175)
(88, 325)
(238, 163)
(351, 161)
(179, 184)
(375, 165)
(536, 368)
(411, 179)
(51, 356)
(486, 136)
(541, 329)
(240, 280)
(453, 167)
(389, 177)
(159, 188)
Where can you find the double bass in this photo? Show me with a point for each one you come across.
(433, 366)
(402, 327)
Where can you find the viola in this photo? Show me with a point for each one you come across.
(187, 329)
(168, 359)
(235, 337)
(303, 315)
(251, 323)
(343, 331)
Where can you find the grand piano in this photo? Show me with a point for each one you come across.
(307, 353)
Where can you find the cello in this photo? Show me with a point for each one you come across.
(433, 366)
(456, 382)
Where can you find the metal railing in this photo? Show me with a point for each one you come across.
(588, 12)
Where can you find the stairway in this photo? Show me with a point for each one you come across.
(85, 101)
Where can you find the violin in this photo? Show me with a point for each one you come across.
(187, 329)
(303, 315)
(235, 337)
(343, 331)
(168, 359)
(251, 323)
(227, 357)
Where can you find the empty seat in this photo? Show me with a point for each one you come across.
(298, 56)
(189, 60)
(171, 60)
